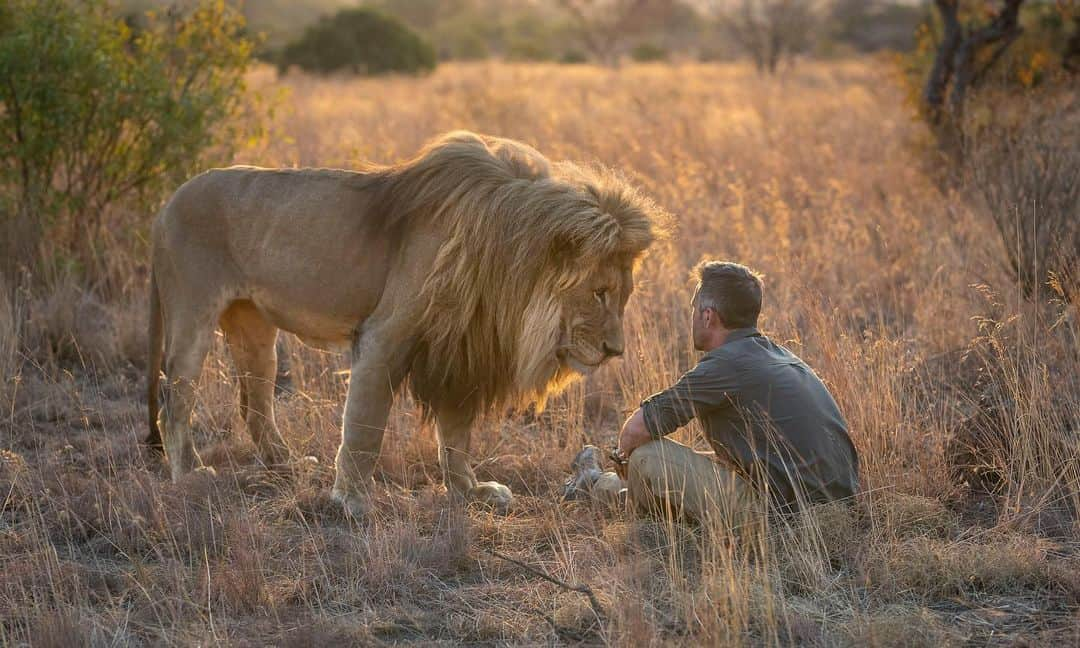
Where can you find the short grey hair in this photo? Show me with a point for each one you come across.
(732, 290)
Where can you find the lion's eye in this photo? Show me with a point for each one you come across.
(601, 296)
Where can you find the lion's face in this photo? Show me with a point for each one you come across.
(592, 314)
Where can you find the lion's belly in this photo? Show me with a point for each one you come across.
(322, 330)
(336, 346)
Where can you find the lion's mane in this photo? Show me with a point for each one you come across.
(520, 230)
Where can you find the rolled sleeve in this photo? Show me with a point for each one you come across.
(706, 387)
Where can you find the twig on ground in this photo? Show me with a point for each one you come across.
(598, 609)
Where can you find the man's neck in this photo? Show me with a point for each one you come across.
(718, 339)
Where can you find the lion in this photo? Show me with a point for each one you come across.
(484, 273)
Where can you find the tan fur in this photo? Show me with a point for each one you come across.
(483, 272)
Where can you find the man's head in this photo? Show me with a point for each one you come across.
(728, 297)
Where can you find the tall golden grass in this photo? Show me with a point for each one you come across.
(895, 290)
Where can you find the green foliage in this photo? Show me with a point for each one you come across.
(648, 53)
(475, 29)
(573, 57)
(361, 41)
(528, 49)
(93, 113)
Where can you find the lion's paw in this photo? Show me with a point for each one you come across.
(356, 505)
(492, 494)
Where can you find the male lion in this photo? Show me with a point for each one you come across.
(478, 269)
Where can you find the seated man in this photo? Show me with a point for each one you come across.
(780, 441)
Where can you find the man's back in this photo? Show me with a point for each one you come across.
(766, 414)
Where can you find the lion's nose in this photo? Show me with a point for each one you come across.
(612, 352)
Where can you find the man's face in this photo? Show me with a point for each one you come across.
(698, 329)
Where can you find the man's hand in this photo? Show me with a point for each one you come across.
(634, 434)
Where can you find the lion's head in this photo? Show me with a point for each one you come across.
(532, 280)
(592, 305)
(591, 324)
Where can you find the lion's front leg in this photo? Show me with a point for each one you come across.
(378, 367)
(455, 431)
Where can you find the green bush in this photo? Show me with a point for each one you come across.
(648, 53)
(573, 57)
(528, 49)
(360, 41)
(93, 114)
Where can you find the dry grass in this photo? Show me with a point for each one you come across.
(893, 291)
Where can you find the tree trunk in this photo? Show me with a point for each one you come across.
(942, 70)
(954, 70)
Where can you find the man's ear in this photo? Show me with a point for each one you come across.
(713, 318)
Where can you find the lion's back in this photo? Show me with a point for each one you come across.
(290, 240)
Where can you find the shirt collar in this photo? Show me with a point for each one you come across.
(740, 333)
(737, 334)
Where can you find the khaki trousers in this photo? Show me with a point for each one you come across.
(669, 479)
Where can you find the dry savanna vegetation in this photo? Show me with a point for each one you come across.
(962, 393)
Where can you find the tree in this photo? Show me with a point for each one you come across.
(604, 26)
(359, 40)
(965, 54)
(93, 113)
(874, 25)
(1005, 118)
(768, 30)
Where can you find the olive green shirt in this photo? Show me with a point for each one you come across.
(767, 415)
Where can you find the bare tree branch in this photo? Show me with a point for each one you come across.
(768, 30)
(605, 24)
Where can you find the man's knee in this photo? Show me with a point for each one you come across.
(661, 458)
(670, 478)
(644, 454)
(656, 452)
(652, 482)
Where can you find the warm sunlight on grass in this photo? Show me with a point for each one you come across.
(895, 292)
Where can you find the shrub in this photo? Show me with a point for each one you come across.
(1007, 128)
(648, 53)
(93, 113)
(526, 48)
(573, 57)
(1027, 170)
(360, 41)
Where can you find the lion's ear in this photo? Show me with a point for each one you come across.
(564, 252)
(572, 256)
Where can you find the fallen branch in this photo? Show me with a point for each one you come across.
(597, 609)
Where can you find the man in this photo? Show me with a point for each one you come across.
(780, 441)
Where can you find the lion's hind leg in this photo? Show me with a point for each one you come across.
(252, 342)
(188, 341)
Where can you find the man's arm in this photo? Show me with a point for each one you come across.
(633, 434)
(706, 387)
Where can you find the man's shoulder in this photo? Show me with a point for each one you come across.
(752, 344)
(727, 360)
(754, 352)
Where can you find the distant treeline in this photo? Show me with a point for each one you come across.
(573, 31)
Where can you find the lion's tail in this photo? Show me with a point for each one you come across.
(153, 366)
